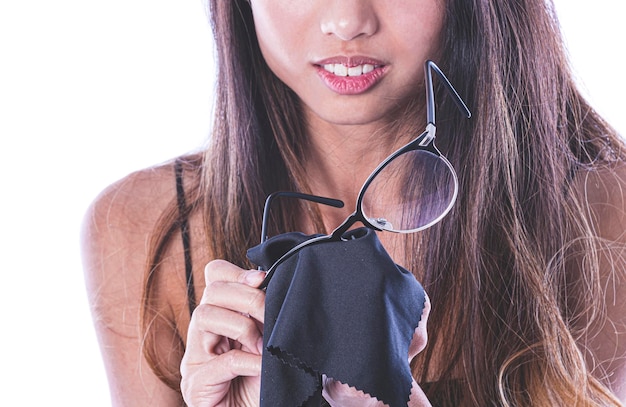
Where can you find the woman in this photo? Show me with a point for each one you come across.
(525, 274)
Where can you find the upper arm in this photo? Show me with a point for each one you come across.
(605, 193)
(115, 236)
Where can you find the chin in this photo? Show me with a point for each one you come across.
(347, 111)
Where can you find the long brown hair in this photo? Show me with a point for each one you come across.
(496, 266)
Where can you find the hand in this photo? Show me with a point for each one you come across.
(341, 395)
(222, 361)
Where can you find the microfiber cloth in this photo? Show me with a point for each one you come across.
(343, 309)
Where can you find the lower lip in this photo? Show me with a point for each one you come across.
(351, 85)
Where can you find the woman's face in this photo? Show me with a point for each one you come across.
(351, 62)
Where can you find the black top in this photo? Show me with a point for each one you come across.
(183, 214)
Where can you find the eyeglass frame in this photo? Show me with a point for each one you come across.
(425, 142)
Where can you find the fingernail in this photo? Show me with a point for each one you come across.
(254, 277)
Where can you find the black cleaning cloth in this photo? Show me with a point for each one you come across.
(343, 309)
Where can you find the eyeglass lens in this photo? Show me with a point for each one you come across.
(414, 191)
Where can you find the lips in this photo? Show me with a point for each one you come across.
(350, 75)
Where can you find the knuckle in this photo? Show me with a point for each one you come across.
(213, 269)
(214, 286)
(212, 290)
(420, 339)
(427, 307)
(185, 387)
(242, 363)
(420, 342)
(232, 361)
(209, 270)
(420, 336)
(257, 301)
(246, 332)
(202, 313)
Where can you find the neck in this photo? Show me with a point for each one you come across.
(341, 157)
(338, 161)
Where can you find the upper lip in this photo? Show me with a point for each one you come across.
(350, 61)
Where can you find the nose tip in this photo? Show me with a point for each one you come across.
(348, 22)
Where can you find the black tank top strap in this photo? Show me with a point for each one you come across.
(183, 221)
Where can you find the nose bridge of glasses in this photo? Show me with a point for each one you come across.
(336, 235)
(356, 216)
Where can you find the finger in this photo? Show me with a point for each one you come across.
(223, 368)
(236, 297)
(211, 321)
(418, 397)
(221, 270)
(202, 345)
(420, 336)
(211, 380)
(341, 394)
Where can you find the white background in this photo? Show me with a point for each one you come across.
(90, 91)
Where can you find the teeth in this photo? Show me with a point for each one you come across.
(355, 70)
(342, 70)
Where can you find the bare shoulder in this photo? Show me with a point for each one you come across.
(118, 224)
(115, 240)
(136, 198)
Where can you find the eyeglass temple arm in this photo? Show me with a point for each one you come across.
(429, 67)
(288, 194)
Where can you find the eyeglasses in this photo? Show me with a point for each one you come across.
(411, 190)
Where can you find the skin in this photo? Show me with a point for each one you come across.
(294, 37)
(222, 362)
